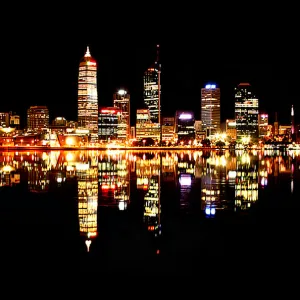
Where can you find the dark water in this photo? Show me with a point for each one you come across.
(174, 213)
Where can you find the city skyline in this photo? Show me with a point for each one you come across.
(123, 69)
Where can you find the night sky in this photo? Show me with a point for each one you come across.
(40, 60)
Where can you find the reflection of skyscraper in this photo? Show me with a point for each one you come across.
(108, 173)
(114, 181)
(88, 95)
(168, 167)
(146, 166)
(213, 184)
(186, 173)
(152, 209)
(246, 187)
(87, 178)
(185, 181)
(122, 190)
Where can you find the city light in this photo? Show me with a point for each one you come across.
(210, 86)
(185, 116)
(122, 92)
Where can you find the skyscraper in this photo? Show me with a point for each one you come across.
(122, 101)
(210, 109)
(246, 113)
(152, 92)
(37, 118)
(88, 96)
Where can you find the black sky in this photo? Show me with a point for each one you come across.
(40, 59)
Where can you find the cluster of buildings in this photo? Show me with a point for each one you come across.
(96, 125)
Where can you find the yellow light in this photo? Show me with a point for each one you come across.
(8, 168)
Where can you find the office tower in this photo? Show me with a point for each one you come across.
(144, 127)
(263, 124)
(185, 127)
(108, 123)
(37, 118)
(88, 96)
(152, 93)
(122, 102)
(246, 113)
(168, 129)
(210, 109)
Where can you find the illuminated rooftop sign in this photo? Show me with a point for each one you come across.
(108, 111)
(210, 86)
(122, 92)
(185, 116)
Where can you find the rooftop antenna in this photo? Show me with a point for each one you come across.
(159, 94)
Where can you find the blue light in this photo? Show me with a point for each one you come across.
(210, 86)
(210, 211)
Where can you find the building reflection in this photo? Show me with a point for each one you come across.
(185, 176)
(35, 166)
(229, 180)
(114, 179)
(152, 205)
(246, 187)
(146, 166)
(87, 182)
(213, 184)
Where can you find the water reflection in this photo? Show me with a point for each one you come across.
(87, 180)
(114, 178)
(219, 181)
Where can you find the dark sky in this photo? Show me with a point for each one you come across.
(41, 54)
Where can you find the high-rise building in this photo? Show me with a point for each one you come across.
(108, 123)
(122, 102)
(185, 127)
(168, 129)
(263, 123)
(210, 109)
(144, 128)
(152, 92)
(88, 96)
(246, 113)
(37, 118)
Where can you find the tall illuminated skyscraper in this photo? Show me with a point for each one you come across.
(88, 96)
(152, 93)
(246, 113)
(210, 109)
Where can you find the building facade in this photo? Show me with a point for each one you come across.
(246, 113)
(121, 100)
(88, 96)
(210, 109)
(37, 118)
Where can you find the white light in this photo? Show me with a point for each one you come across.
(185, 116)
(210, 86)
(122, 92)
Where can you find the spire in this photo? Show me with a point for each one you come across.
(157, 54)
(292, 111)
(87, 53)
